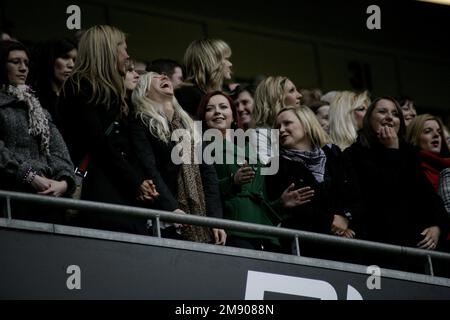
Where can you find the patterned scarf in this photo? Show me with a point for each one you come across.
(313, 160)
(37, 121)
(191, 198)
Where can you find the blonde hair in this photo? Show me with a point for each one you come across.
(151, 114)
(343, 127)
(204, 63)
(313, 129)
(269, 100)
(415, 128)
(97, 63)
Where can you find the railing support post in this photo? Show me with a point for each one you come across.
(296, 245)
(8, 207)
(429, 266)
(156, 225)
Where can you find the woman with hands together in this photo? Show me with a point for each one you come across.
(33, 155)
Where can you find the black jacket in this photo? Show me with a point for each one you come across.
(113, 176)
(398, 202)
(155, 157)
(189, 97)
(329, 197)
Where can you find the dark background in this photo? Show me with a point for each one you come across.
(319, 43)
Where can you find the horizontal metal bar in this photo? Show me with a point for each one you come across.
(303, 236)
(214, 249)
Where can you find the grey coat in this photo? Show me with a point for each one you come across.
(20, 151)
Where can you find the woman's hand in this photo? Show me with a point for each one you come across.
(56, 188)
(340, 228)
(147, 191)
(179, 225)
(220, 236)
(431, 238)
(388, 137)
(293, 198)
(244, 175)
(40, 183)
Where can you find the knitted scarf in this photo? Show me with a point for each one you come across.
(313, 160)
(37, 121)
(191, 198)
(432, 165)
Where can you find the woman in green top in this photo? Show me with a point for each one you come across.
(240, 179)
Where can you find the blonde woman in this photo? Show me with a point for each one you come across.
(308, 161)
(426, 132)
(183, 188)
(207, 63)
(271, 95)
(94, 114)
(346, 117)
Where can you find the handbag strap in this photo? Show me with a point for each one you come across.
(81, 170)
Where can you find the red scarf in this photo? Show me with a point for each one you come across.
(432, 164)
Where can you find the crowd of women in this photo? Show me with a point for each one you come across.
(349, 166)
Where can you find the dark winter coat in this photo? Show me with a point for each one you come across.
(113, 175)
(155, 157)
(398, 202)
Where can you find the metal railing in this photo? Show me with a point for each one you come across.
(158, 215)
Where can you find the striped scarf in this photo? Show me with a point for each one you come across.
(313, 160)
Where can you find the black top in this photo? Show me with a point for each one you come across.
(112, 174)
(155, 157)
(189, 97)
(329, 196)
(397, 200)
(50, 101)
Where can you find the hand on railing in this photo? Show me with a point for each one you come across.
(179, 225)
(340, 227)
(293, 198)
(220, 236)
(431, 238)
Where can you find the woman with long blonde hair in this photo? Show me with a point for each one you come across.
(184, 188)
(95, 126)
(272, 94)
(207, 63)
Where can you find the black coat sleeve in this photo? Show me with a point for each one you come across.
(142, 143)
(211, 190)
(88, 123)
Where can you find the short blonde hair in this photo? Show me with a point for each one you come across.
(343, 129)
(313, 129)
(204, 63)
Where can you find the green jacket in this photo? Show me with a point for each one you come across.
(248, 202)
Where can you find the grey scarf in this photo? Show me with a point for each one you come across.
(313, 160)
(38, 122)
